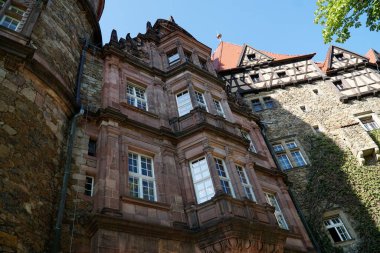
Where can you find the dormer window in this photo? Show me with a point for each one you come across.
(281, 74)
(339, 56)
(173, 57)
(188, 56)
(203, 64)
(251, 57)
(338, 84)
(255, 78)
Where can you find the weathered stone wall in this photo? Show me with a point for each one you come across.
(58, 34)
(334, 180)
(31, 136)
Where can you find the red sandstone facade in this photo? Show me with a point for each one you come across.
(180, 166)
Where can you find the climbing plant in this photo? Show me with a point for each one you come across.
(336, 180)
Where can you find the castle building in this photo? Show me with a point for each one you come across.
(322, 122)
(153, 144)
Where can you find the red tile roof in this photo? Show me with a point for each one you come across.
(227, 56)
(373, 56)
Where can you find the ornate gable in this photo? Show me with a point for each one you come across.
(340, 58)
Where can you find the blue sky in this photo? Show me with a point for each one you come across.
(279, 26)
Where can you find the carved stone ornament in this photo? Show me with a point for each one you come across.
(241, 245)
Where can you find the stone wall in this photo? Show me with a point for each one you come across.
(31, 136)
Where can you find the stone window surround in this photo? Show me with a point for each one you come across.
(136, 98)
(140, 176)
(279, 209)
(287, 151)
(263, 102)
(234, 179)
(339, 213)
(208, 96)
(369, 114)
(89, 186)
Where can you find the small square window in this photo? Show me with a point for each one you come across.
(338, 84)
(255, 78)
(89, 186)
(201, 100)
(278, 148)
(268, 101)
(173, 57)
(291, 145)
(339, 56)
(369, 123)
(203, 64)
(91, 147)
(188, 56)
(281, 74)
(256, 104)
(337, 229)
(251, 57)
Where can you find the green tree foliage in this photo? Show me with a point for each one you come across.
(338, 16)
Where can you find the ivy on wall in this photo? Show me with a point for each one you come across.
(335, 180)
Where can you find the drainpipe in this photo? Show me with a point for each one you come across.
(69, 152)
(302, 217)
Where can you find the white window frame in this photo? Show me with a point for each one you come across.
(247, 186)
(89, 192)
(134, 98)
(221, 168)
(11, 22)
(184, 106)
(286, 149)
(369, 126)
(173, 57)
(219, 108)
(141, 178)
(247, 136)
(16, 10)
(257, 106)
(337, 224)
(202, 181)
(201, 102)
(272, 200)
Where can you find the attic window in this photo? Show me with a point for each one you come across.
(255, 78)
(281, 74)
(251, 57)
(173, 57)
(339, 56)
(203, 64)
(338, 84)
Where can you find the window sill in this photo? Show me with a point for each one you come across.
(146, 203)
(134, 108)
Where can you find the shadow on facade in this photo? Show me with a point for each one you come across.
(331, 185)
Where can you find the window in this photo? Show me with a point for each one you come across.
(271, 200)
(369, 123)
(281, 74)
(173, 57)
(338, 84)
(339, 56)
(12, 17)
(141, 177)
(246, 136)
(204, 189)
(255, 78)
(10, 23)
(2, 2)
(223, 176)
(256, 104)
(289, 149)
(184, 103)
(203, 63)
(268, 101)
(89, 186)
(337, 230)
(188, 56)
(251, 57)
(91, 147)
(248, 191)
(219, 108)
(200, 100)
(136, 96)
